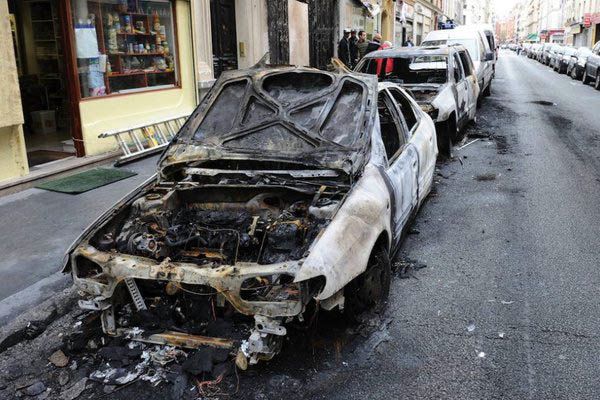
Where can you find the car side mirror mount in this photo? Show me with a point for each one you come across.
(489, 56)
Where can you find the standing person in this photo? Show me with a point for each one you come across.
(353, 48)
(344, 48)
(409, 43)
(374, 44)
(362, 44)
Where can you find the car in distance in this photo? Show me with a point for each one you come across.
(556, 56)
(591, 73)
(441, 78)
(577, 62)
(286, 186)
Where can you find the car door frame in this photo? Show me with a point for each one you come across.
(422, 139)
(401, 180)
(472, 81)
(462, 91)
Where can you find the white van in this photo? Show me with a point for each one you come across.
(476, 43)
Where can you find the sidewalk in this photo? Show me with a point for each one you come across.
(37, 226)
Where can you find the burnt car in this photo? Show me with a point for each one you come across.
(287, 189)
(441, 78)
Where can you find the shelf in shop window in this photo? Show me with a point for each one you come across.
(42, 20)
(135, 34)
(117, 74)
(136, 54)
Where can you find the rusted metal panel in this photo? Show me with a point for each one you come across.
(185, 340)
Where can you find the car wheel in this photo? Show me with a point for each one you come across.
(488, 90)
(444, 138)
(369, 290)
(573, 73)
(585, 78)
(597, 83)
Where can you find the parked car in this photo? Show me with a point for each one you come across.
(544, 52)
(442, 80)
(556, 56)
(548, 52)
(479, 50)
(284, 186)
(577, 62)
(591, 73)
(562, 64)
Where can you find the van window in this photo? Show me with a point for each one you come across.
(471, 46)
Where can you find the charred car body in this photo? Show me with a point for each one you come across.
(442, 80)
(286, 187)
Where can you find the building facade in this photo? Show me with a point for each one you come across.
(80, 68)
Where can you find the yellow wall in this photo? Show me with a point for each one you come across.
(13, 160)
(99, 115)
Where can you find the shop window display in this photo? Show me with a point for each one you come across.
(124, 46)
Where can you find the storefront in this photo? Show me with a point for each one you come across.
(360, 15)
(86, 67)
(404, 23)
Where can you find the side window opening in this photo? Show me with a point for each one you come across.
(405, 108)
(465, 62)
(390, 131)
(458, 69)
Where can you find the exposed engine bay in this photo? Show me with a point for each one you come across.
(190, 225)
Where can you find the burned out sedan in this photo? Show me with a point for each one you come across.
(287, 188)
(441, 78)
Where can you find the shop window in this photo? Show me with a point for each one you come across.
(124, 46)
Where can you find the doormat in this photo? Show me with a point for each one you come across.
(88, 180)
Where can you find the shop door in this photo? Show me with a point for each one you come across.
(45, 95)
(224, 40)
(321, 16)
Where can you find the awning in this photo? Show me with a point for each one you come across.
(533, 37)
(372, 9)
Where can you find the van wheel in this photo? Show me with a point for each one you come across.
(369, 290)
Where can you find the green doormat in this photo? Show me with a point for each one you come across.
(87, 180)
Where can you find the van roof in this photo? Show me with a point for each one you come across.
(446, 34)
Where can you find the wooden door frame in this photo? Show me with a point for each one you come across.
(71, 72)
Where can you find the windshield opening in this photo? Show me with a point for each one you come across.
(408, 69)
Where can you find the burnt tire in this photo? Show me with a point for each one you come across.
(488, 90)
(370, 290)
(444, 139)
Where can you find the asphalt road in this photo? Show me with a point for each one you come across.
(509, 304)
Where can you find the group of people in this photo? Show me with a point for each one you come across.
(353, 47)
